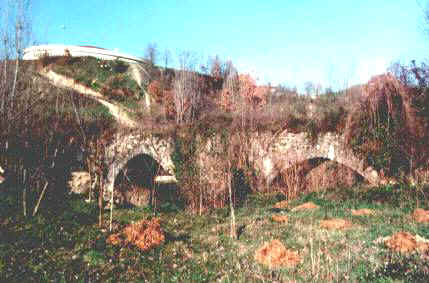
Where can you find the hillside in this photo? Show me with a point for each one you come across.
(145, 96)
(316, 221)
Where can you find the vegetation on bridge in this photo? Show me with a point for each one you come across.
(47, 132)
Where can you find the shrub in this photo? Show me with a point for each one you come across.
(386, 127)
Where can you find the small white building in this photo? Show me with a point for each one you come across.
(36, 52)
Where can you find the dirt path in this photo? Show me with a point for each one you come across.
(137, 72)
(118, 112)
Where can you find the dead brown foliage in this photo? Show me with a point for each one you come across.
(114, 239)
(145, 234)
(362, 212)
(420, 215)
(329, 174)
(274, 254)
(390, 104)
(155, 89)
(405, 242)
(281, 204)
(335, 224)
(280, 218)
(305, 206)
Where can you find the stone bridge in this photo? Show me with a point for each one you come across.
(289, 149)
(129, 145)
(270, 155)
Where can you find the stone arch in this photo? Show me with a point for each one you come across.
(141, 170)
(295, 148)
(138, 184)
(127, 147)
(307, 181)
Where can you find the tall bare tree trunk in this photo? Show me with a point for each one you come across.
(36, 208)
(101, 188)
(24, 194)
(111, 202)
(19, 29)
(100, 203)
(3, 87)
(233, 231)
(15, 78)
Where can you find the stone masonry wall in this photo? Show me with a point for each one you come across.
(270, 155)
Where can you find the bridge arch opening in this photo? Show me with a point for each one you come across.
(136, 183)
(315, 174)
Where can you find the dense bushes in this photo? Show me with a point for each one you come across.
(390, 126)
(112, 78)
(45, 133)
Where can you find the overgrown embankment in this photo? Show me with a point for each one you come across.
(386, 121)
(55, 236)
(390, 126)
(46, 132)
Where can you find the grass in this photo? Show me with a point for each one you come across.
(68, 246)
(112, 78)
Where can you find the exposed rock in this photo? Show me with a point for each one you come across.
(421, 215)
(335, 224)
(305, 206)
(80, 182)
(274, 254)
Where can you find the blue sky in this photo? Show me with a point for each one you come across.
(332, 42)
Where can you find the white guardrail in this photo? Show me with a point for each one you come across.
(165, 179)
(36, 52)
(1, 177)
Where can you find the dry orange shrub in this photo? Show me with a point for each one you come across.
(335, 224)
(305, 206)
(404, 242)
(280, 218)
(274, 254)
(281, 204)
(362, 212)
(145, 234)
(114, 239)
(421, 215)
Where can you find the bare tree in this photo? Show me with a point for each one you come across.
(318, 89)
(151, 53)
(216, 67)
(166, 57)
(230, 89)
(15, 34)
(229, 173)
(309, 88)
(186, 89)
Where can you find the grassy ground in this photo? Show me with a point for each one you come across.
(67, 245)
(112, 78)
